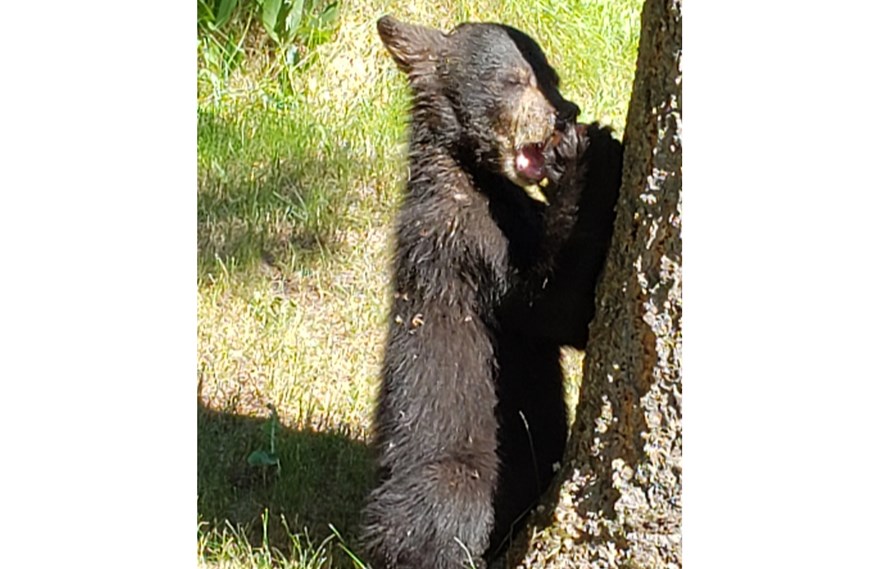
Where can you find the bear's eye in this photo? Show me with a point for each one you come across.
(522, 80)
(517, 80)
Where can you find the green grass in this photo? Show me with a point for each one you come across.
(299, 176)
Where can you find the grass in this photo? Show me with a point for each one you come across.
(300, 169)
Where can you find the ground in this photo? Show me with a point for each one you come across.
(296, 198)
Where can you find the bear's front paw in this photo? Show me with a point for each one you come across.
(564, 153)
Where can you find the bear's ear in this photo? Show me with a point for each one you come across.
(412, 47)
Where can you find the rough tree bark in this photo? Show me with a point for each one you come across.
(619, 501)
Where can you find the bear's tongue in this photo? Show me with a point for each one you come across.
(529, 162)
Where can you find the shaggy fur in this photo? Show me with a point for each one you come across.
(472, 251)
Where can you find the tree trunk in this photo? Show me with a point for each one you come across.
(619, 501)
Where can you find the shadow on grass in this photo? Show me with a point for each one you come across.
(323, 479)
(270, 187)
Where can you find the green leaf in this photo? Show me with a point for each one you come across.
(270, 16)
(262, 458)
(294, 17)
(225, 10)
(329, 15)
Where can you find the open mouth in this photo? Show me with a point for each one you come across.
(529, 162)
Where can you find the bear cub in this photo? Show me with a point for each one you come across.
(472, 252)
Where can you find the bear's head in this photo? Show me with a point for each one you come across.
(484, 91)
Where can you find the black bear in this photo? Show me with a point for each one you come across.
(473, 251)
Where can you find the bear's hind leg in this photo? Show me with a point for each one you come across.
(436, 515)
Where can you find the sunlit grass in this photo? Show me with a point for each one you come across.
(299, 177)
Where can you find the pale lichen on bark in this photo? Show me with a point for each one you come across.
(619, 501)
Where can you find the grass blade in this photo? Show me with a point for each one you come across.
(225, 10)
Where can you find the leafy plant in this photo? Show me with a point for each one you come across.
(271, 39)
(309, 22)
(262, 457)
